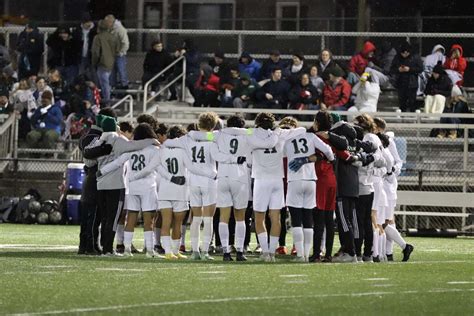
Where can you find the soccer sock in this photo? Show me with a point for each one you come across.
(195, 232)
(148, 241)
(175, 246)
(224, 235)
(157, 236)
(308, 239)
(375, 245)
(119, 234)
(263, 241)
(388, 246)
(393, 234)
(127, 240)
(273, 244)
(297, 240)
(166, 243)
(240, 235)
(183, 235)
(207, 234)
(382, 241)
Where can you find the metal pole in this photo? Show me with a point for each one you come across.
(7, 40)
(183, 89)
(240, 44)
(15, 144)
(464, 167)
(45, 54)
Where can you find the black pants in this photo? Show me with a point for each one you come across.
(301, 217)
(86, 235)
(323, 219)
(407, 99)
(346, 217)
(364, 221)
(248, 223)
(205, 98)
(110, 206)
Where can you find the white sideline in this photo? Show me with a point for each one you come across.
(232, 299)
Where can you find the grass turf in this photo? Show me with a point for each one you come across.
(40, 273)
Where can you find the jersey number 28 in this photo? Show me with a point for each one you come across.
(138, 162)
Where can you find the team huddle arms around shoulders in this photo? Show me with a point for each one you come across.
(333, 169)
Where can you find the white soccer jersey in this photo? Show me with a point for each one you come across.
(302, 146)
(133, 163)
(236, 145)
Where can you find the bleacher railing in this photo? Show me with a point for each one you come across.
(128, 102)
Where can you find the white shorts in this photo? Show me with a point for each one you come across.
(176, 206)
(268, 194)
(232, 193)
(203, 196)
(301, 194)
(380, 215)
(145, 203)
(389, 211)
(380, 198)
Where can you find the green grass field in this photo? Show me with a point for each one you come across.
(41, 274)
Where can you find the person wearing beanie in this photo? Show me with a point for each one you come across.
(273, 61)
(157, 59)
(406, 67)
(437, 89)
(30, 47)
(249, 65)
(207, 88)
(46, 122)
(244, 93)
(457, 103)
(337, 91)
(64, 48)
(295, 69)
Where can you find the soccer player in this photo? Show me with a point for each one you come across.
(138, 196)
(390, 186)
(301, 195)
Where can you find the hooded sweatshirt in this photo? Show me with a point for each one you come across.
(104, 48)
(434, 59)
(360, 61)
(456, 64)
(442, 85)
(252, 68)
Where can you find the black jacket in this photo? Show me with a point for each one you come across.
(30, 46)
(279, 90)
(63, 53)
(156, 62)
(294, 77)
(407, 79)
(77, 34)
(222, 71)
(442, 85)
(303, 95)
(269, 65)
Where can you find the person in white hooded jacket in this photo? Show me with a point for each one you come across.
(436, 57)
(367, 94)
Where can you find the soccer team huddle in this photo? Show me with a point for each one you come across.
(333, 169)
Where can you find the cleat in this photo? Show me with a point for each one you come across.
(182, 248)
(293, 251)
(207, 257)
(272, 257)
(281, 250)
(134, 250)
(119, 248)
(144, 251)
(390, 257)
(265, 257)
(127, 254)
(247, 250)
(367, 259)
(316, 260)
(91, 252)
(376, 259)
(170, 256)
(327, 259)
(159, 249)
(240, 256)
(298, 259)
(181, 256)
(345, 258)
(359, 259)
(227, 257)
(195, 256)
(407, 252)
(258, 249)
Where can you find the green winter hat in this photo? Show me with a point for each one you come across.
(109, 124)
(335, 117)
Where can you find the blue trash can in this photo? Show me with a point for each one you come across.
(74, 178)
(73, 208)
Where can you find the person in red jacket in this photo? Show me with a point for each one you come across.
(455, 65)
(206, 88)
(360, 61)
(336, 92)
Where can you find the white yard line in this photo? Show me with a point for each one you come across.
(460, 282)
(231, 299)
(376, 279)
(292, 275)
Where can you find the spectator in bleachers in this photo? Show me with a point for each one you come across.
(435, 58)
(220, 66)
(30, 47)
(104, 49)
(337, 91)
(24, 104)
(63, 53)
(360, 61)
(119, 77)
(84, 34)
(46, 122)
(273, 61)
(249, 65)
(5, 106)
(157, 59)
(228, 84)
(456, 104)
(274, 93)
(316, 80)
(455, 65)
(325, 63)
(437, 89)
(244, 93)
(295, 69)
(5, 59)
(41, 86)
(6, 84)
(304, 96)
(367, 94)
(193, 58)
(59, 87)
(386, 55)
(207, 88)
(406, 67)
(79, 121)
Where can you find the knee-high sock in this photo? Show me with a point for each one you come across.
(323, 242)
(195, 231)
(175, 246)
(127, 240)
(273, 244)
(157, 236)
(166, 243)
(148, 241)
(308, 238)
(393, 234)
(298, 240)
(206, 233)
(375, 246)
(388, 246)
(240, 235)
(119, 234)
(263, 241)
(183, 235)
(224, 236)
(382, 240)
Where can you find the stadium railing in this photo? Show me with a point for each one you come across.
(127, 102)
